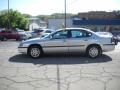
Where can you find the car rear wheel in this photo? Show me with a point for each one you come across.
(35, 51)
(94, 51)
(18, 39)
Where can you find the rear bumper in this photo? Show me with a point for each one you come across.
(108, 47)
(22, 50)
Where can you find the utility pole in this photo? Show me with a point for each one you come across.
(65, 13)
(8, 6)
(8, 16)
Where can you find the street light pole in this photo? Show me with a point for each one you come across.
(65, 13)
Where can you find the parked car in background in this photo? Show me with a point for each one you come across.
(118, 37)
(0, 35)
(36, 33)
(15, 34)
(41, 32)
(9, 35)
(47, 32)
(28, 33)
(115, 33)
(70, 40)
(24, 35)
(2, 29)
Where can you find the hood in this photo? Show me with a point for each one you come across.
(33, 40)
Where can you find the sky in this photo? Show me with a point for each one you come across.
(48, 7)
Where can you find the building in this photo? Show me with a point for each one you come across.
(98, 20)
(99, 15)
(93, 24)
(98, 24)
(36, 23)
(95, 20)
(59, 23)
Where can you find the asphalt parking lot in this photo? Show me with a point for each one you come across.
(58, 72)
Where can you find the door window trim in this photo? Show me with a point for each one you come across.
(61, 31)
(87, 33)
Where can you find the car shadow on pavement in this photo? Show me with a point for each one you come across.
(59, 59)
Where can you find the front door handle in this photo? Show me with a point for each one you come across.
(86, 40)
(64, 40)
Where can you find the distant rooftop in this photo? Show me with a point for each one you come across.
(99, 15)
(97, 22)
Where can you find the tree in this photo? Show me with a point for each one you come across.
(27, 15)
(43, 17)
(13, 19)
(54, 16)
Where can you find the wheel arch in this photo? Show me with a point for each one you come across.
(38, 45)
(97, 45)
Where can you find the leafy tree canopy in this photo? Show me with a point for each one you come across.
(13, 19)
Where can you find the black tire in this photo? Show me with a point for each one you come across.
(4, 39)
(116, 42)
(94, 51)
(35, 51)
(1, 38)
(18, 39)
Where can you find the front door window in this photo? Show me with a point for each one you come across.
(60, 35)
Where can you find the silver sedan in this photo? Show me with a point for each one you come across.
(70, 40)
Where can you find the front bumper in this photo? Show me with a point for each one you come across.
(22, 50)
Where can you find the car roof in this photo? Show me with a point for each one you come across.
(76, 29)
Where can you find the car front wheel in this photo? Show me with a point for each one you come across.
(94, 51)
(35, 51)
(4, 39)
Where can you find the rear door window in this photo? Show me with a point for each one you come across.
(79, 34)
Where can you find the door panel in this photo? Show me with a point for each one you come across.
(58, 43)
(56, 46)
(76, 45)
(78, 41)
